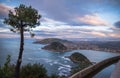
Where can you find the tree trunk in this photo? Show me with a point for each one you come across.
(19, 60)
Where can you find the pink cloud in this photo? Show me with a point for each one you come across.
(8, 35)
(4, 9)
(99, 34)
(93, 19)
(114, 35)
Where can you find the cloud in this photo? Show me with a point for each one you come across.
(53, 28)
(49, 21)
(69, 32)
(4, 30)
(98, 34)
(92, 19)
(74, 18)
(114, 35)
(4, 9)
(60, 10)
(117, 24)
(13, 35)
(115, 2)
(49, 28)
(8, 35)
(66, 11)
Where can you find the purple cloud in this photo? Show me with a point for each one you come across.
(4, 9)
(66, 11)
(117, 24)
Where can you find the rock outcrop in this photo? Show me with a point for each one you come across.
(79, 58)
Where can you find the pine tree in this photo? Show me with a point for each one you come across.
(22, 19)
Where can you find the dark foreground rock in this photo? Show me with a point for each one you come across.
(56, 46)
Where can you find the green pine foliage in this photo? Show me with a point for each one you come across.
(6, 71)
(33, 71)
(27, 71)
(27, 17)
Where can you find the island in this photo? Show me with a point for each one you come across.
(81, 60)
(56, 47)
(56, 44)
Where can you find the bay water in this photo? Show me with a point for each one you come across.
(54, 62)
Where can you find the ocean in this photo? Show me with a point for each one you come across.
(54, 62)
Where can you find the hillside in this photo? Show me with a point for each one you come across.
(55, 46)
(108, 46)
(69, 44)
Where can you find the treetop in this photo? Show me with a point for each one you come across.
(24, 16)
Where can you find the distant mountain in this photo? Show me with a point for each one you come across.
(96, 39)
(108, 46)
(69, 44)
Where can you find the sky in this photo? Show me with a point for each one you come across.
(69, 19)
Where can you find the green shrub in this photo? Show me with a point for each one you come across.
(33, 71)
(54, 76)
(7, 70)
(57, 76)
